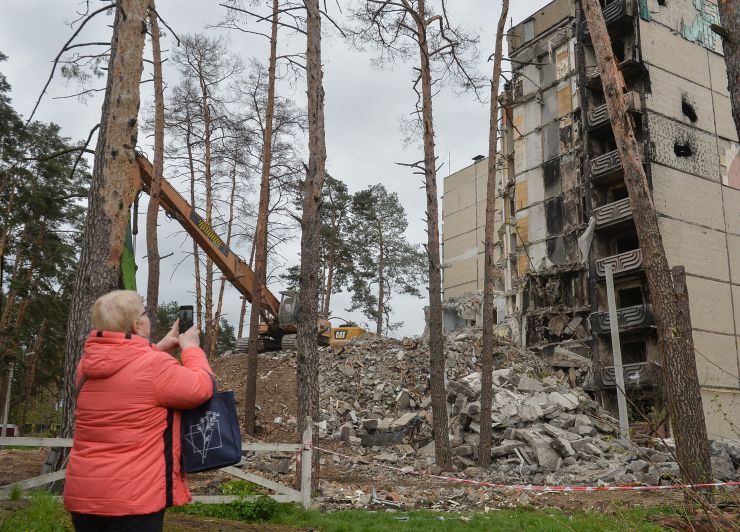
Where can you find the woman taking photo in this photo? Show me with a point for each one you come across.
(124, 467)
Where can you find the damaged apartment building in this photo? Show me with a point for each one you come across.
(563, 212)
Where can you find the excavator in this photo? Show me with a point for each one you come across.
(278, 319)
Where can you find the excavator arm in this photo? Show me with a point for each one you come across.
(238, 272)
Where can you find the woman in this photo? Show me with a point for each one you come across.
(124, 467)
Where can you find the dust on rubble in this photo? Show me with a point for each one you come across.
(376, 407)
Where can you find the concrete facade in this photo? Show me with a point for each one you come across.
(560, 180)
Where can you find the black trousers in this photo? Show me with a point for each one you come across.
(123, 523)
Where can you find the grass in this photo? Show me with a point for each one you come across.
(44, 513)
(550, 520)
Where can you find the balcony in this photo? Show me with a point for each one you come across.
(640, 375)
(613, 214)
(629, 319)
(615, 12)
(606, 166)
(599, 116)
(621, 264)
(629, 67)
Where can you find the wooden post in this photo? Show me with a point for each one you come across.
(6, 409)
(306, 463)
(671, 309)
(624, 425)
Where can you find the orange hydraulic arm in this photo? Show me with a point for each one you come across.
(234, 269)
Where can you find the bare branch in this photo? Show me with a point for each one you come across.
(59, 55)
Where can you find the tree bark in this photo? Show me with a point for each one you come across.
(489, 341)
(260, 237)
(329, 283)
(33, 369)
(729, 17)
(210, 327)
(229, 230)
(111, 189)
(152, 248)
(308, 356)
(436, 338)
(671, 308)
(381, 289)
(196, 251)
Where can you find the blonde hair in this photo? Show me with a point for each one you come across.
(117, 311)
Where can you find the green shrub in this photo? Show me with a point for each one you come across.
(261, 508)
(239, 487)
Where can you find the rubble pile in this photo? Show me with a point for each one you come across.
(376, 399)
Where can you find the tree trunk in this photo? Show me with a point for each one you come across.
(729, 17)
(196, 252)
(671, 309)
(381, 289)
(210, 326)
(152, 249)
(260, 235)
(308, 297)
(243, 311)
(436, 338)
(489, 340)
(111, 189)
(329, 283)
(229, 229)
(33, 368)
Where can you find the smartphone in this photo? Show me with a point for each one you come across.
(185, 315)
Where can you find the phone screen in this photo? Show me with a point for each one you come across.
(185, 315)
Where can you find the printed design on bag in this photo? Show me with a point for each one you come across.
(205, 435)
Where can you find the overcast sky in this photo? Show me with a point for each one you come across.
(364, 106)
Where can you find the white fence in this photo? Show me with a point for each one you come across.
(282, 493)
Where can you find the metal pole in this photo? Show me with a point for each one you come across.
(6, 410)
(624, 425)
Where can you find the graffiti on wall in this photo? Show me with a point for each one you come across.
(699, 29)
(693, 19)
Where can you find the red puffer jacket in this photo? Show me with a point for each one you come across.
(126, 454)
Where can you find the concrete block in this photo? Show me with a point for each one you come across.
(460, 289)
(723, 115)
(718, 74)
(719, 407)
(459, 222)
(731, 199)
(703, 206)
(670, 51)
(668, 92)
(702, 251)
(461, 272)
(711, 305)
(459, 247)
(720, 350)
(733, 250)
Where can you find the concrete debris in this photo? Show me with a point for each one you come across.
(544, 429)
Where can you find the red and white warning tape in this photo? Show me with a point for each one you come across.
(527, 487)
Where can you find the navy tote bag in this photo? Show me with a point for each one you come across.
(210, 434)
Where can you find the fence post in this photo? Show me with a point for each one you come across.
(306, 463)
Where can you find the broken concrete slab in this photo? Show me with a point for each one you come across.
(568, 401)
(506, 448)
(528, 384)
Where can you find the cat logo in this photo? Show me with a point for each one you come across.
(340, 335)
